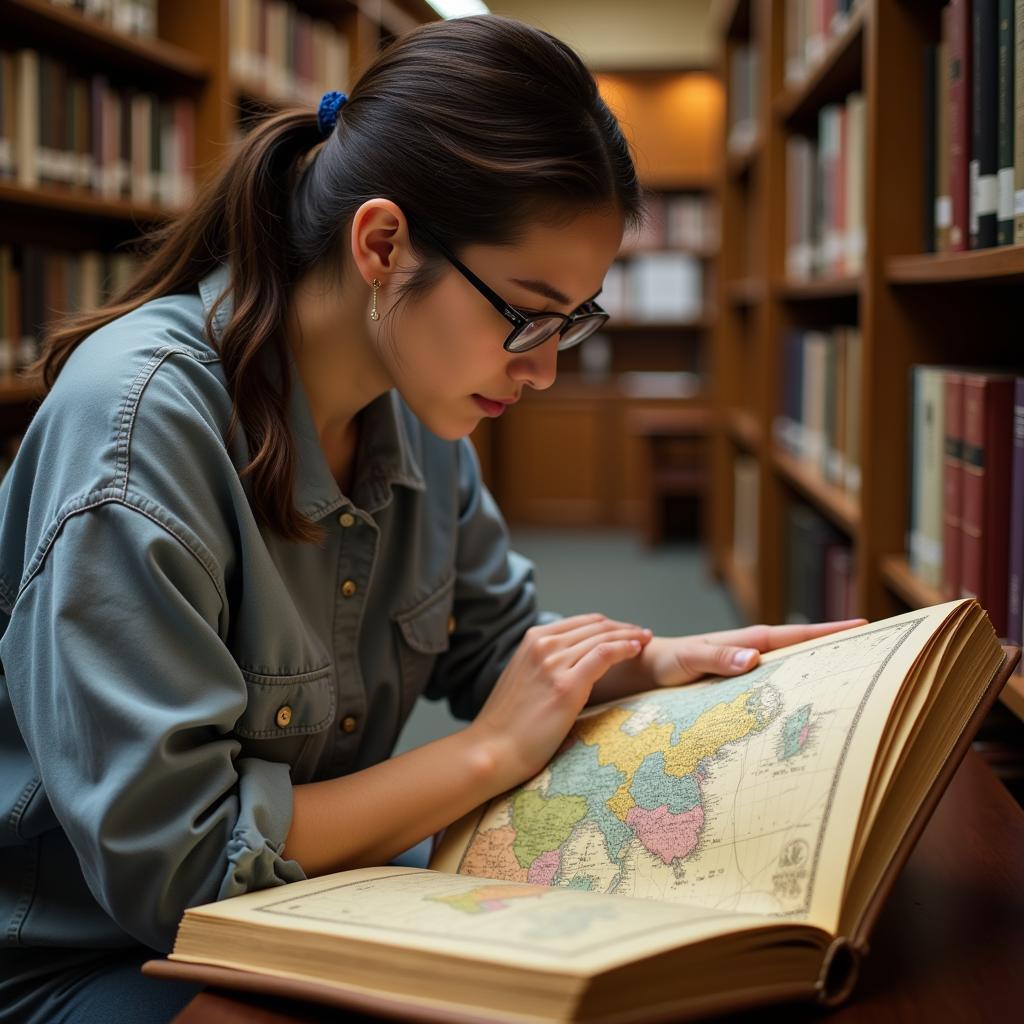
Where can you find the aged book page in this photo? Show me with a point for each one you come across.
(543, 928)
(739, 794)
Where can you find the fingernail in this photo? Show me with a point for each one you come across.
(741, 659)
(648, 632)
(635, 644)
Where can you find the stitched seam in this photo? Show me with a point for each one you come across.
(14, 818)
(284, 679)
(126, 417)
(27, 898)
(39, 559)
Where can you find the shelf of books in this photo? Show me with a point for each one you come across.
(870, 383)
(111, 110)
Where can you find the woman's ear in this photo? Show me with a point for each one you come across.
(380, 239)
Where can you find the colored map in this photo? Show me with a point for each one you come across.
(712, 794)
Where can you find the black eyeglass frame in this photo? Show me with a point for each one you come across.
(519, 320)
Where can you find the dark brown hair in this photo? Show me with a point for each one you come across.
(477, 127)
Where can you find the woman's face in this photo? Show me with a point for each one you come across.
(446, 350)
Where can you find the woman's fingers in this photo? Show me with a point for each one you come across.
(578, 651)
(599, 658)
(769, 638)
(606, 628)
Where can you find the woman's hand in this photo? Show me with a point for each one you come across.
(671, 661)
(545, 685)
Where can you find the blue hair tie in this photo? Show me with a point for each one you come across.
(327, 112)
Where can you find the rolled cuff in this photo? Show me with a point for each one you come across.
(265, 816)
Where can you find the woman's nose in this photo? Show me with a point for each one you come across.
(538, 367)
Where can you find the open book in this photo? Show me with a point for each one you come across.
(688, 850)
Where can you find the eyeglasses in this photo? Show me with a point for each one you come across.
(532, 329)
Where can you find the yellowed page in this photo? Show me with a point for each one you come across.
(543, 928)
(737, 794)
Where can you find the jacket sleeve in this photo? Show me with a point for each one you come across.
(126, 697)
(495, 598)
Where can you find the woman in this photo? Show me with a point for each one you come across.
(246, 530)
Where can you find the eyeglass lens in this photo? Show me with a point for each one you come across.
(538, 331)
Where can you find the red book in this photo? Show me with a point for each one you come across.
(952, 492)
(987, 468)
(960, 123)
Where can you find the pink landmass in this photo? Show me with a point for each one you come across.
(544, 868)
(665, 834)
(802, 738)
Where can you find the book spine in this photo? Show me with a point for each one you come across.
(984, 131)
(1018, 135)
(930, 520)
(916, 436)
(960, 123)
(1004, 222)
(929, 185)
(988, 403)
(1015, 594)
(943, 201)
(952, 490)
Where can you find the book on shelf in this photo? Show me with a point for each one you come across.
(676, 221)
(825, 229)
(746, 487)
(975, 138)
(81, 133)
(132, 17)
(614, 883)
(742, 99)
(820, 576)
(983, 170)
(282, 51)
(819, 416)
(37, 284)
(650, 287)
(1018, 121)
(1015, 595)
(809, 27)
(962, 524)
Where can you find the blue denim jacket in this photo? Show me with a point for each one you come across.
(170, 669)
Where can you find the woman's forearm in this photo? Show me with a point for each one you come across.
(370, 816)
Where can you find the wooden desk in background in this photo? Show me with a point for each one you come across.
(948, 946)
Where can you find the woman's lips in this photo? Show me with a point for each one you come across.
(490, 407)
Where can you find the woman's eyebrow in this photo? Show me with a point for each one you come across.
(549, 291)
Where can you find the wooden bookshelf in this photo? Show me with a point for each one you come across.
(910, 307)
(67, 32)
(189, 58)
(819, 288)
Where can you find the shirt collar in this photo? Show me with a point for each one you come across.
(386, 456)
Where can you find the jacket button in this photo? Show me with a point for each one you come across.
(347, 519)
(348, 588)
(348, 723)
(284, 716)
(451, 624)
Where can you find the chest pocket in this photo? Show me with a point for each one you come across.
(286, 718)
(423, 634)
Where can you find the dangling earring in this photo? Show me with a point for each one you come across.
(374, 315)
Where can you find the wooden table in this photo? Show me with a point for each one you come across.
(948, 946)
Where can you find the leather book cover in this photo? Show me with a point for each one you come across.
(984, 124)
(985, 519)
(952, 491)
(960, 123)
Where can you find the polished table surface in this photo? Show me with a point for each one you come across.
(948, 945)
